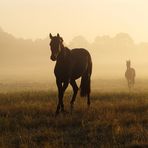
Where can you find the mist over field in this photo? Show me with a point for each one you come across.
(34, 113)
(28, 60)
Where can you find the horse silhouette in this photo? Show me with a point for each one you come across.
(130, 75)
(70, 65)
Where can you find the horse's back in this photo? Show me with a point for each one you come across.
(81, 59)
(80, 53)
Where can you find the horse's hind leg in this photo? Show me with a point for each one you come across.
(129, 85)
(75, 91)
(88, 100)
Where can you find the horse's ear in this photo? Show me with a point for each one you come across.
(58, 35)
(61, 39)
(50, 35)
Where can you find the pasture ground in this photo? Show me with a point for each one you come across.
(115, 119)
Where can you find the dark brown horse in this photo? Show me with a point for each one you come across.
(70, 65)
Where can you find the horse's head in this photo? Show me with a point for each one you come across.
(128, 63)
(55, 46)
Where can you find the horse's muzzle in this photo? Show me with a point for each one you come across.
(53, 58)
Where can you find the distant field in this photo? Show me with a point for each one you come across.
(100, 85)
(115, 119)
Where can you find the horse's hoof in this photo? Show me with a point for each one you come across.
(71, 111)
(56, 114)
(88, 107)
(64, 112)
(71, 108)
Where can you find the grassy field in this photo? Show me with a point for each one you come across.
(116, 119)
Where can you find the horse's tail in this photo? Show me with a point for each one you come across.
(85, 87)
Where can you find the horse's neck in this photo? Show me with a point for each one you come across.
(129, 68)
(64, 53)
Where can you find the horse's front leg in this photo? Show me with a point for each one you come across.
(75, 90)
(129, 85)
(65, 85)
(59, 85)
(61, 90)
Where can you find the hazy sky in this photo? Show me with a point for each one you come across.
(36, 18)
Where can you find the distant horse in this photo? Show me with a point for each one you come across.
(70, 65)
(130, 75)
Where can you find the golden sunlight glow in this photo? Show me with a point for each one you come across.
(34, 19)
(112, 30)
